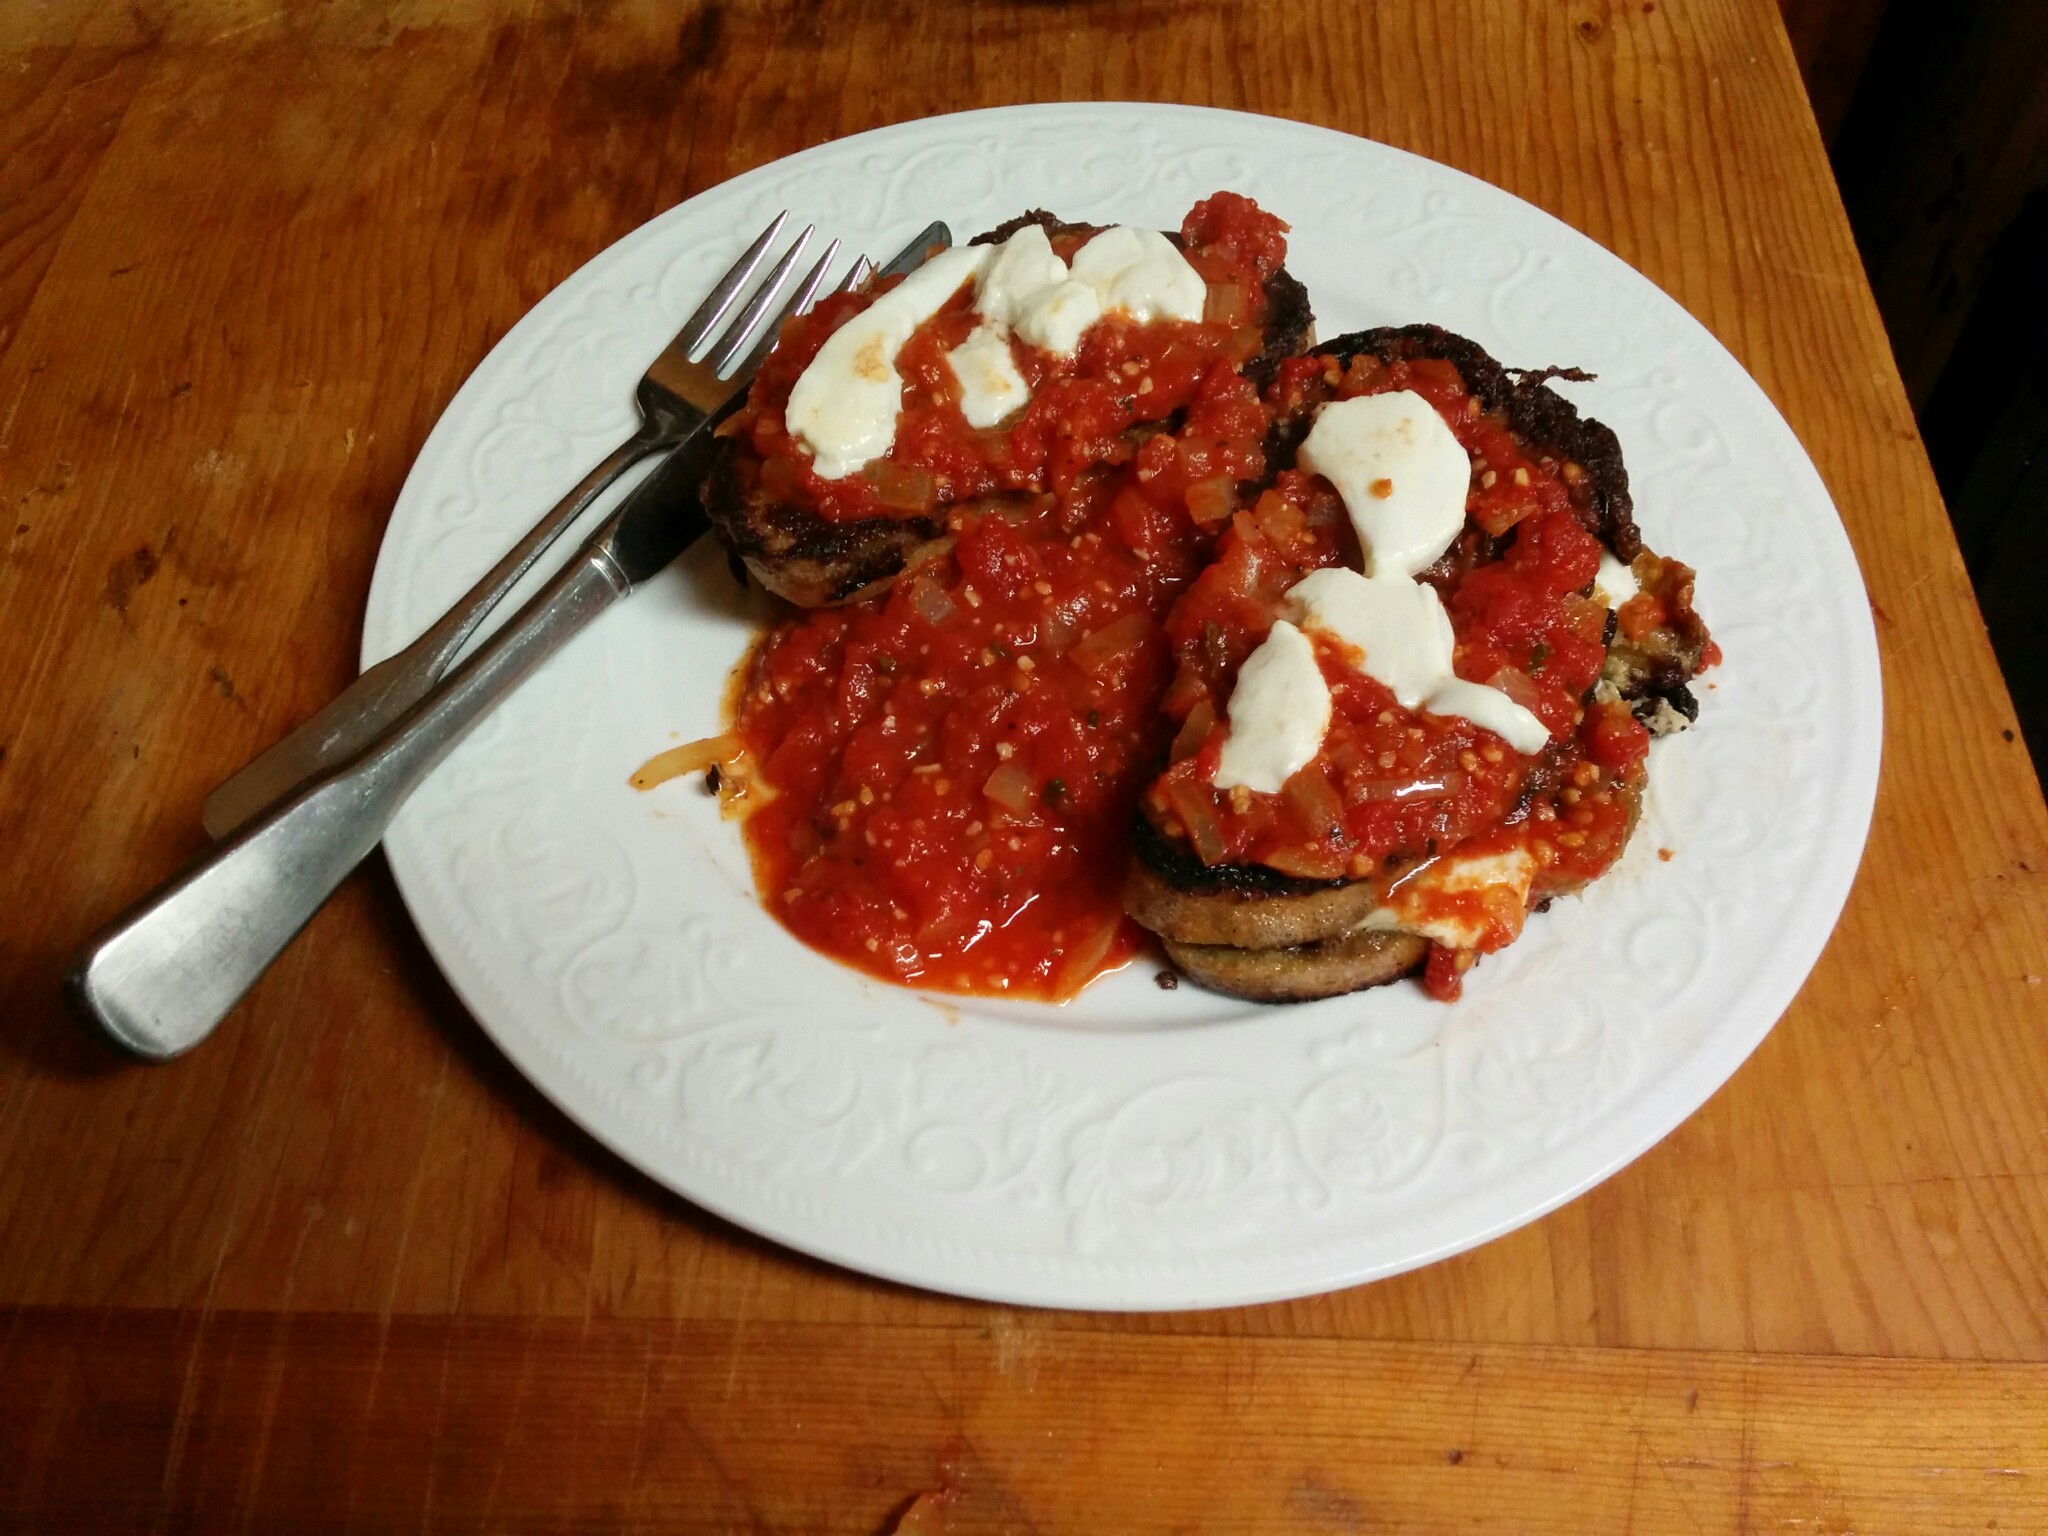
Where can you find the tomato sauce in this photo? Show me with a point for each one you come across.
(1392, 788)
(1081, 410)
(943, 776)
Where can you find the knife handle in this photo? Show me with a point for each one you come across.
(377, 699)
(163, 974)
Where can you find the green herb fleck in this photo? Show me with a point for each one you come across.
(1055, 791)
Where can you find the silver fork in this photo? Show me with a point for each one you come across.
(689, 382)
(163, 974)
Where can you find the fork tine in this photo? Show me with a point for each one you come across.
(858, 273)
(734, 341)
(800, 303)
(728, 287)
(806, 293)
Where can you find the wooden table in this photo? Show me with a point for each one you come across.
(343, 1268)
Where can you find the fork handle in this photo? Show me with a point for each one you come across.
(377, 699)
(163, 974)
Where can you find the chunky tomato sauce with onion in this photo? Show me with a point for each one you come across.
(942, 777)
(1391, 788)
(941, 780)
(1082, 408)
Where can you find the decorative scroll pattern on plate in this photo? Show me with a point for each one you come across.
(1138, 1148)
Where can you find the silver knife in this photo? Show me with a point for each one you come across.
(160, 977)
(678, 399)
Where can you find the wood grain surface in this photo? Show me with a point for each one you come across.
(343, 1268)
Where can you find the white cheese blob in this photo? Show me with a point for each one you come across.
(1143, 273)
(1490, 710)
(1398, 625)
(1413, 906)
(990, 385)
(1279, 711)
(1021, 266)
(1616, 582)
(844, 407)
(1026, 288)
(1405, 641)
(1054, 318)
(1401, 474)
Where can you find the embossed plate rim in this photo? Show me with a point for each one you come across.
(1062, 1199)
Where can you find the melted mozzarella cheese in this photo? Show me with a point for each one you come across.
(1616, 582)
(1500, 881)
(1491, 710)
(1279, 711)
(1401, 474)
(1021, 266)
(1398, 626)
(1022, 288)
(844, 406)
(1055, 317)
(990, 385)
(1143, 273)
(1404, 640)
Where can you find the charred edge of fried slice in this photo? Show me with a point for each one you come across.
(1051, 223)
(813, 562)
(1241, 920)
(1290, 327)
(1531, 407)
(1349, 963)
(1184, 870)
(794, 553)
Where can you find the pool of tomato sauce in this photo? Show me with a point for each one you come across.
(1390, 787)
(943, 777)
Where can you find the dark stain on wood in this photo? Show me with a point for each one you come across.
(128, 575)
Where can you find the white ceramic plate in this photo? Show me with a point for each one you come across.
(1138, 1148)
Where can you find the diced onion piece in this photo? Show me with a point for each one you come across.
(1244, 344)
(903, 487)
(1195, 803)
(934, 604)
(1363, 369)
(1194, 730)
(1518, 686)
(1110, 644)
(1212, 501)
(1279, 519)
(1225, 305)
(1306, 861)
(925, 553)
(690, 757)
(1359, 791)
(1587, 617)
(1183, 693)
(1084, 955)
(1309, 796)
(1055, 632)
(1010, 787)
